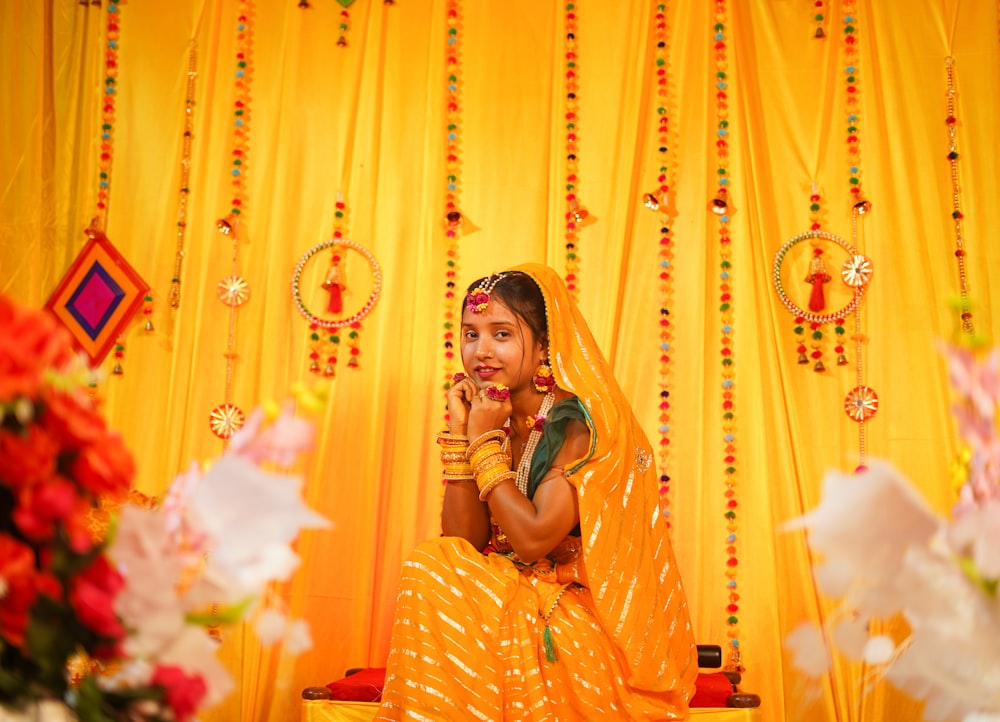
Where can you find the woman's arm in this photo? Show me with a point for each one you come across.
(535, 526)
(462, 514)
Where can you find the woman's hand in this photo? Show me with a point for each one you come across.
(459, 399)
(488, 414)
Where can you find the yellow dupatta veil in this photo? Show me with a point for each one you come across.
(629, 561)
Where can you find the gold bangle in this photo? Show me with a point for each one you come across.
(486, 473)
(483, 451)
(496, 435)
(486, 489)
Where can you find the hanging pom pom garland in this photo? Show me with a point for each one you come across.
(452, 214)
(227, 418)
(819, 19)
(957, 215)
(657, 200)
(861, 402)
(721, 208)
(576, 214)
(182, 201)
(100, 293)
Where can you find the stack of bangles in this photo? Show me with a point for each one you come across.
(489, 462)
(453, 457)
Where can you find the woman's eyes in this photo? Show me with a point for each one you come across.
(500, 333)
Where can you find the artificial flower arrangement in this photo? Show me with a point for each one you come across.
(885, 553)
(107, 607)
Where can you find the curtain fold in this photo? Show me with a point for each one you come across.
(366, 124)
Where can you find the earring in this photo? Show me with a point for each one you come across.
(543, 380)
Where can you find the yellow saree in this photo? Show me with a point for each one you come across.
(599, 630)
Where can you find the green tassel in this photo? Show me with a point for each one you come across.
(550, 646)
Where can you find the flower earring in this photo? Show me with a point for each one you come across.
(543, 379)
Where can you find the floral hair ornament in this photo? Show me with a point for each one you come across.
(479, 297)
(499, 392)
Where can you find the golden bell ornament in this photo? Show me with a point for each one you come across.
(352, 362)
(328, 371)
(314, 367)
(719, 204)
(303, 3)
(225, 225)
(342, 42)
(841, 360)
(117, 370)
(863, 207)
(149, 326)
(803, 359)
(819, 32)
(819, 367)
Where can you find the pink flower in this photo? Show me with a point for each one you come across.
(183, 692)
(978, 383)
(279, 443)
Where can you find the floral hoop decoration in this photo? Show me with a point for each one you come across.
(346, 320)
(856, 273)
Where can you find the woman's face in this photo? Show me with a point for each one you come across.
(499, 348)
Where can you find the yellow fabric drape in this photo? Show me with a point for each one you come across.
(368, 120)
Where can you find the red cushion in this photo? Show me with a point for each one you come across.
(711, 689)
(363, 686)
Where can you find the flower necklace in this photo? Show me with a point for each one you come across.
(534, 435)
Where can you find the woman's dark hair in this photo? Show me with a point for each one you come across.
(519, 292)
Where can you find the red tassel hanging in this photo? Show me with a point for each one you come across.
(817, 277)
(335, 285)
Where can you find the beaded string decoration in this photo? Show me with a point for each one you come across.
(576, 214)
(227, 418)
(819, 18)
(861, 402)
(106, 156)
(658, 201)
(192, 75)
(720, 208)
(452, 215)
(956, 206)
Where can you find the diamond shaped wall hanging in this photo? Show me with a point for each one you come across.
(98, 296)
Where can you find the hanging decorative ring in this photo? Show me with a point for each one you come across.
(859, 270)
(365, 309)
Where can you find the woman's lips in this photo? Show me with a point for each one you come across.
(485, 372)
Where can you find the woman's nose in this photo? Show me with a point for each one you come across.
(484, 349)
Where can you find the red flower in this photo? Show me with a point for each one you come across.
(73, 422)
(26, 457)
(105, 468)
(92, 595)
(20, 583)
(43, 505)
(183, 692)
(30, 343)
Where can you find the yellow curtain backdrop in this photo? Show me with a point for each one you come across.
(368, 120)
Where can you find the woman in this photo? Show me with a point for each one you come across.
(553, 592)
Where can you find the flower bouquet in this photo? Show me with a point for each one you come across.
(109, 600)
(886, 554)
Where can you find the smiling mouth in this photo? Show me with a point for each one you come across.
(486, 370)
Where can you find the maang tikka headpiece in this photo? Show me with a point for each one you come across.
(479, 297)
